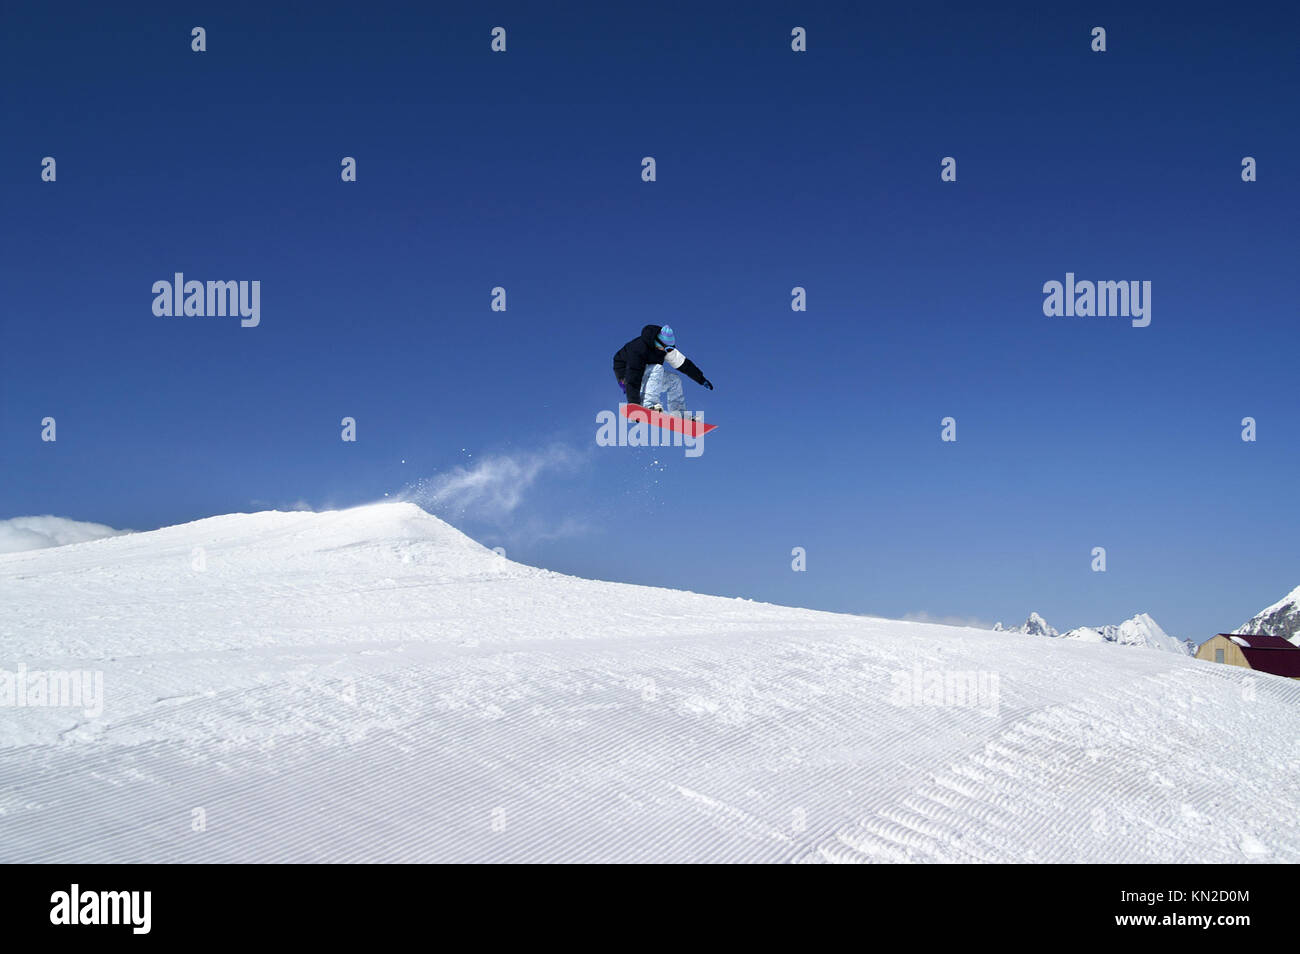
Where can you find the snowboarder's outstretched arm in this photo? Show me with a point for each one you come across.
(687, 367)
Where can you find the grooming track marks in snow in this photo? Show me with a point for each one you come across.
(371, 685)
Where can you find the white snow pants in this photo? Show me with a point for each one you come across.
(659, 380)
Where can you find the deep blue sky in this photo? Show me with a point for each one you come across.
(775, 169)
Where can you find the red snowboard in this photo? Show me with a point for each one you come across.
(688, 426)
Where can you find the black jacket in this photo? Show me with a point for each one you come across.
(631, 360)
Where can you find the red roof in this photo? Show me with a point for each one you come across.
(1254, 641)
(1274, 662)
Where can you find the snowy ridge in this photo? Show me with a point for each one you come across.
(1141, 630)
(33, 533)
(370, 685)
(1280, 619)
(1034, 626)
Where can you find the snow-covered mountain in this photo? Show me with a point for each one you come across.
(1034, 626)
(1141, 630)
(1280, 619)
(371, 685)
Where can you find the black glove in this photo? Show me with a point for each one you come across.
(707, 383)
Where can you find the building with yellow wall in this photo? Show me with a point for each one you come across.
(1271, 654)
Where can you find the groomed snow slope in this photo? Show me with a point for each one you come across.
(371, 685)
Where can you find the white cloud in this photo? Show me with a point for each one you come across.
(299, 504)
(36, 533)
(971, 621)
(494, 486)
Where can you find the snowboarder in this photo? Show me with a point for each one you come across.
(639, 368)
